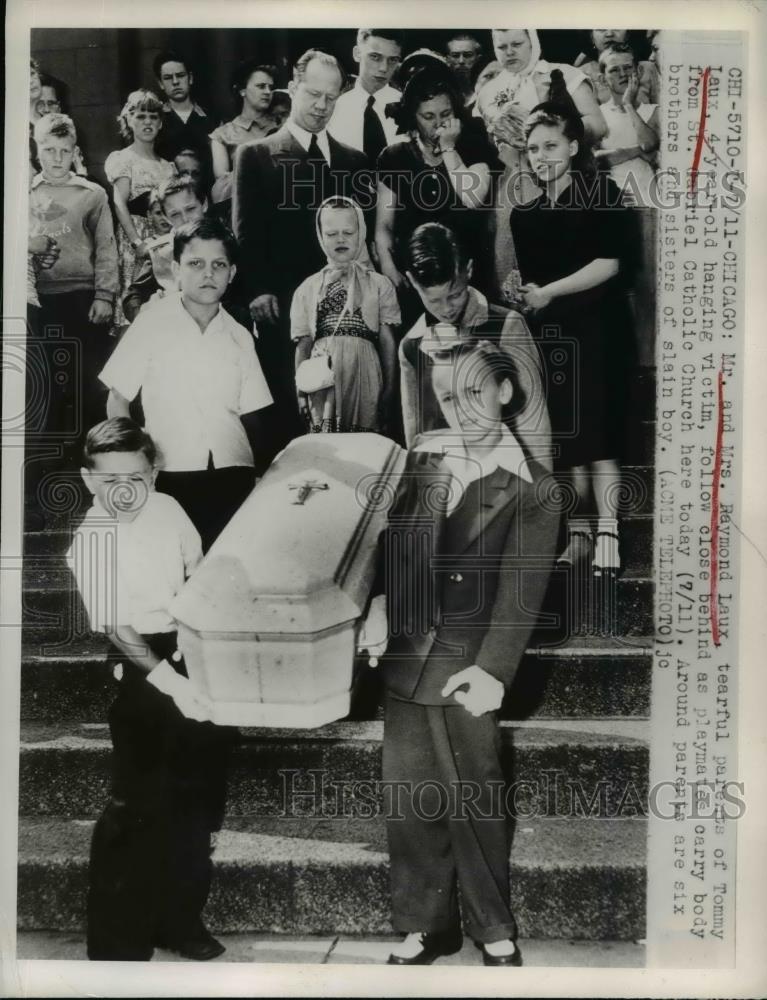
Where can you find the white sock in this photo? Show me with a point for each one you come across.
(501, 948)
(606, 549)
(410, 947)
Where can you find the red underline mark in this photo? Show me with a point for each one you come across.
(701, 130)
(713, 594)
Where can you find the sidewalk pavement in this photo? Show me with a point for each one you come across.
(344, 950)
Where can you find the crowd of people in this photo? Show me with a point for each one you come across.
(324, 184)
(442, 243)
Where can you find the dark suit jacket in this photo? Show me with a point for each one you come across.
(275, 200)
(464, 589)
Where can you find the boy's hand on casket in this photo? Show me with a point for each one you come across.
(187, 697)
(484, 694)
(374, 635)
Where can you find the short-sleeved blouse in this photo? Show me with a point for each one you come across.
(378, 306)
(142, 173)
(239, 131)
(424, 192)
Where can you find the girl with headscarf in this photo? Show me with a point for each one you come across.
(525, 80)
(341, 319)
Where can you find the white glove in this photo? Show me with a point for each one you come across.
(374, 634)
(188, 698)
(485, 692)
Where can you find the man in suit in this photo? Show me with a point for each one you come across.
(279, 183)
(466, 561)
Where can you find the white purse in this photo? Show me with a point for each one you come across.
(315, 373)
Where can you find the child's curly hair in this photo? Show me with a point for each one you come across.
(138, 100)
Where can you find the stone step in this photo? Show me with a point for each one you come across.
(55, 537)
(47, 570)
(562, 768)
(583, 679)
(54, 619)
(581, 879)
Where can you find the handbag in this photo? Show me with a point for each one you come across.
(315, 373)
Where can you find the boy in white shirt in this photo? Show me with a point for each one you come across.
(633, 129)
(359, 119)
(150, 866)
(199, 377)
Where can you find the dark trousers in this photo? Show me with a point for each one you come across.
(150, 865)
(277, 356)
(209, 496)
(446, 823)
(75, 350)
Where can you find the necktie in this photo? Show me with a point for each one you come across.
(315, 153)
(373, 135)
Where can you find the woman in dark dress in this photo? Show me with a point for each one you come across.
(572, 243)
(440, 173)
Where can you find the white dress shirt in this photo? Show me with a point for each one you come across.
(129, 572)
(465, 468)
(304, 138)
(194, 385)
(634, 176)
(347, 123)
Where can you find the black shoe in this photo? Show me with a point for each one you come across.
(201, 947)
(432, 946)
(514, 959)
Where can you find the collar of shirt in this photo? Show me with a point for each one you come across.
(304, 138)
(72, 178)
(216, 324)
(381, 98)
(196, 110)
(247, 123)
(507, 454)
(475, 313)
(101, 516)
(173, 310)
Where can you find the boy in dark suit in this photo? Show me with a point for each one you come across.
(466, 561)
(279, 183)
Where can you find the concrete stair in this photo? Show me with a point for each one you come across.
(570, 681)
(558, 769)
(579, 878)
(303, 850)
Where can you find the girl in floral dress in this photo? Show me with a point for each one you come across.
(134, 171)
(346, 310)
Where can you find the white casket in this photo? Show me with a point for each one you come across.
(268, 621)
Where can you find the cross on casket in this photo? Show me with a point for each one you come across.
(305, 489)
